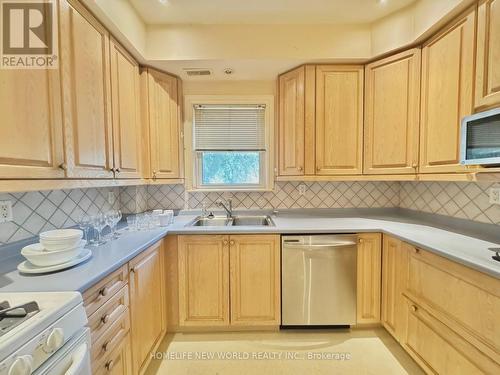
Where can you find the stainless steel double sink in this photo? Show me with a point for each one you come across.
(223, 221)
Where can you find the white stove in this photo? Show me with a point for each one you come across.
(42, 329)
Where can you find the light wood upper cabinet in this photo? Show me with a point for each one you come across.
(31, 128)
(162, 119)
(488, 55)
(368, 278)
(394, 280)
(255, 280)
(85, 64)
(447, 87)
(147, 304)
(291, 128)
(392, 104)
(339, 119)
(203, 280)
(126, 113)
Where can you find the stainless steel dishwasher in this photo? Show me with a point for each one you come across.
(318, 280)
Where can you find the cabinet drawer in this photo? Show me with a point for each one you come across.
(117, 362)
(466, 300)
(439, 350)
(101, 292)
(107, 314)
(111, 338)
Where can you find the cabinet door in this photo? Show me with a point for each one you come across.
(291, 128)
(394, 279)
(447, 79)
(255, 280)
(369, 275)
(203, 280)
(86, 93)
(31, 127)
(488, 55)
(164, 125)
(118, 362)
(126, 115)
(339, 119)
(392, 103)
(147, 304)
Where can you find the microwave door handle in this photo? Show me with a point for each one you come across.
(78, 360)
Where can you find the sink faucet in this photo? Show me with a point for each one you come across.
(228, 206)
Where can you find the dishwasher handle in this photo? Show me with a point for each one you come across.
(295, 245)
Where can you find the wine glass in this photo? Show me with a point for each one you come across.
(118, 217)
(99, 221)
(85, 223)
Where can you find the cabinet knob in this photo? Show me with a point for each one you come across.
(231, 242)
(414, 165)
(300, 169)
(117, 170)
(416, 251)
(109, 365)
(63, 166)
(225, 242)
(103, 292)
(105, 318)
(414, 308)
(318, 169)
(154, 175)
(360, 240)
(132, 270)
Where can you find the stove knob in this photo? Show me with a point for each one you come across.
(23, 365)
(55, 340)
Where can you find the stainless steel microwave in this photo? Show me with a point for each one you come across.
(480, 138)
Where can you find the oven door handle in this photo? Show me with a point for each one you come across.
(79, 360)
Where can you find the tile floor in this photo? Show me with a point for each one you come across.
(371, 351)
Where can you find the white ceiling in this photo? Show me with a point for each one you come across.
(158, 12)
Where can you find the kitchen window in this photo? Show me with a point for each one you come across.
(230, 146)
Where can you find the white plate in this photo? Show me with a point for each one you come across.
(27, 267)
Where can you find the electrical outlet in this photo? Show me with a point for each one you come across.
(302, 189)
(6, 211)
(111, 198)
(495, 195)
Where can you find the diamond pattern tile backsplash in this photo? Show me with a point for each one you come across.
(35, 212)
(463, 200)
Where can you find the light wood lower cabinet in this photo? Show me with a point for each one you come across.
(447, 94)
(255, 280)
(147, 304)
(394, 276)
(118, 362)
(487, 93)
(369, 270)
(229, 280)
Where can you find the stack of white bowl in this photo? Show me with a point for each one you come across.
(55, 247)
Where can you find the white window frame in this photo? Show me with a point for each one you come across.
(193, 158)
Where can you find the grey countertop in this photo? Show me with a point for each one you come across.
(461, 241)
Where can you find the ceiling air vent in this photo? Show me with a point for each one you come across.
(197, 72)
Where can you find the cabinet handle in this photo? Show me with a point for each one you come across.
(63, 166)
(103, 292)
(154, 175)
(109, 365)
(105, 319)
(105, 346)
(414, 308)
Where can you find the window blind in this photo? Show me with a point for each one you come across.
(238, 127)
